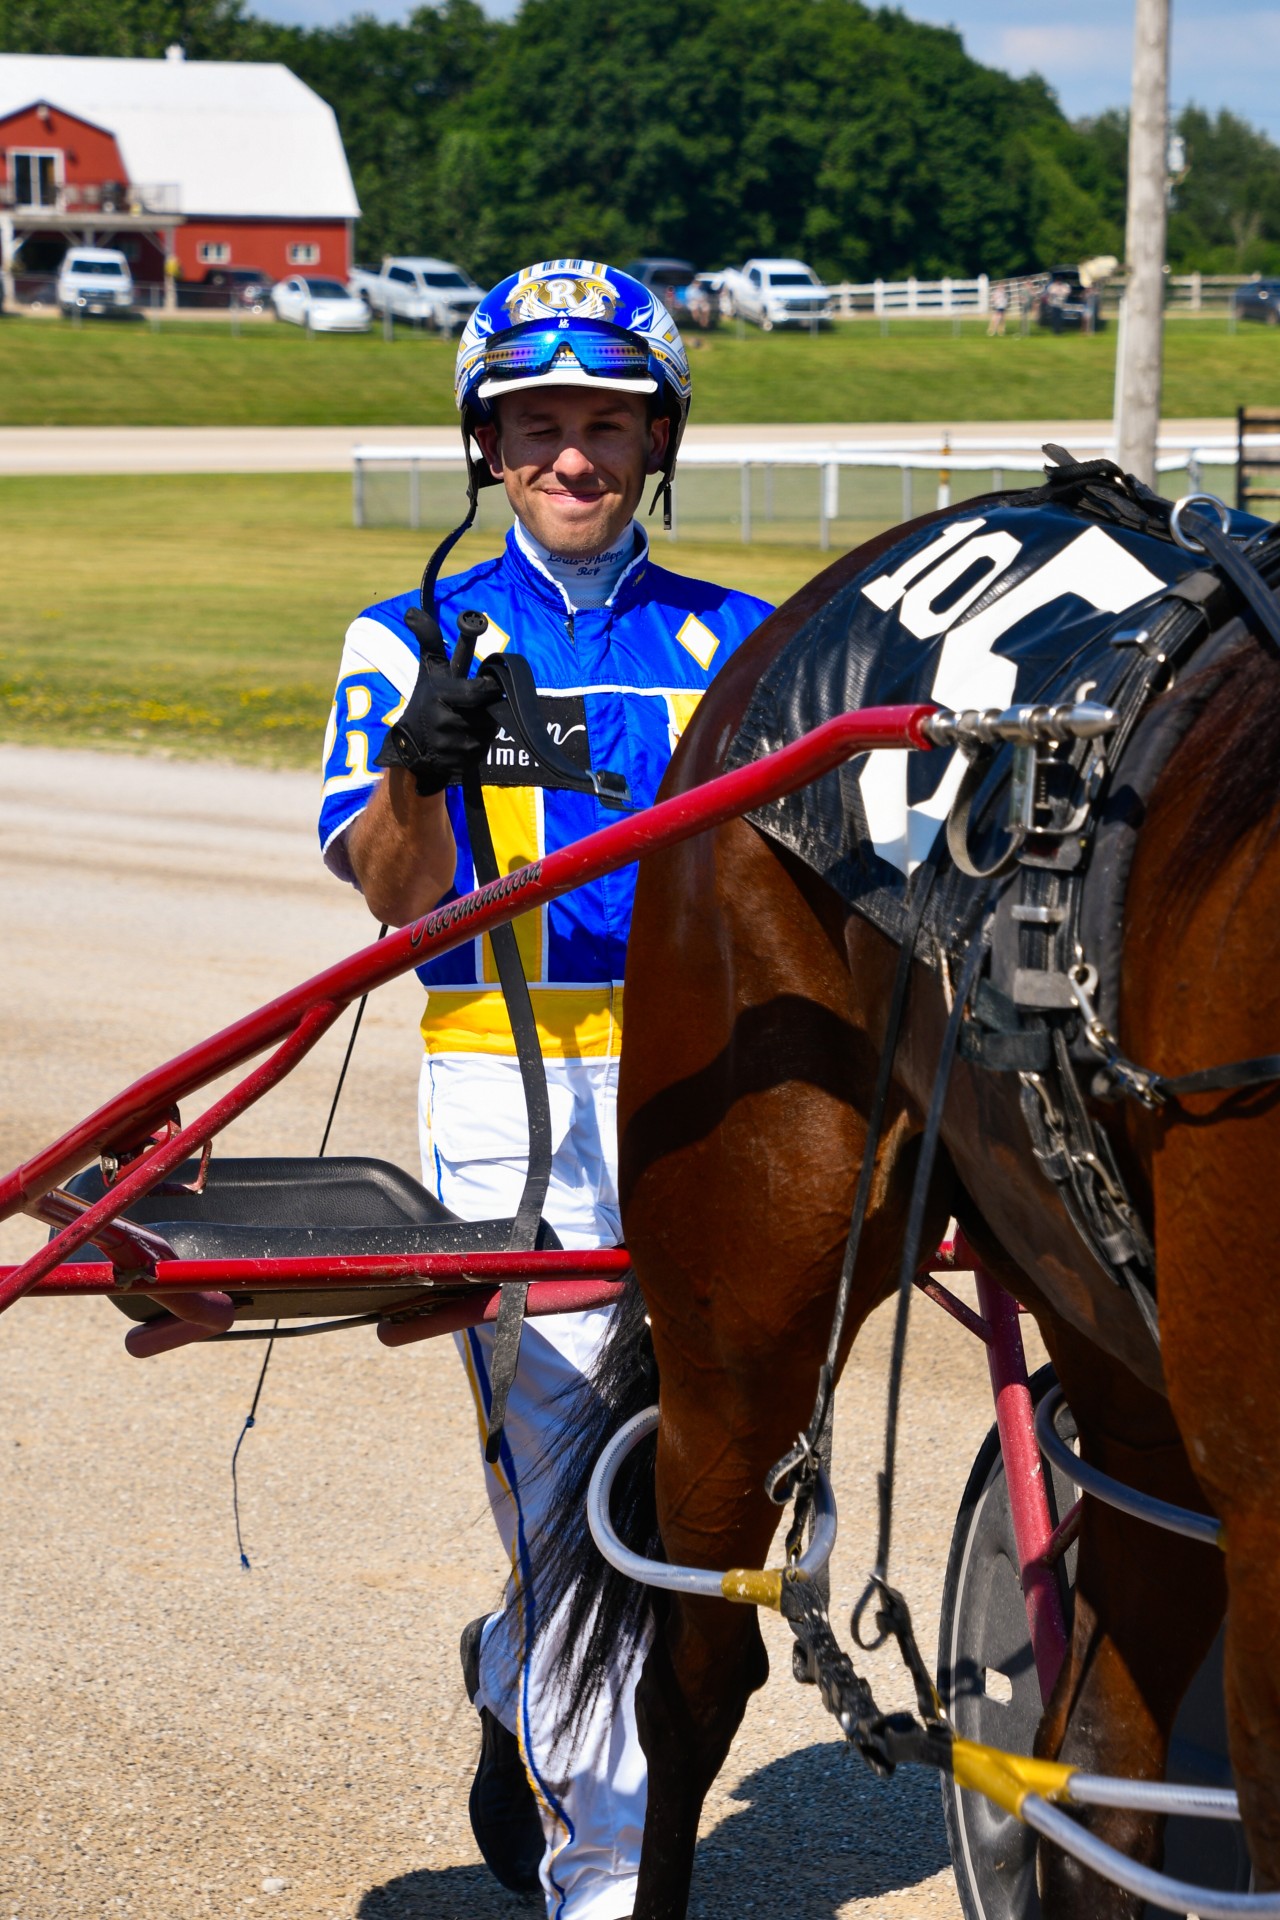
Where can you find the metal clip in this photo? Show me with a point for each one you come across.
(1131, 1078)
(1022, 792)
(1052, 1118)
(1114, 1193)
(1084, 984)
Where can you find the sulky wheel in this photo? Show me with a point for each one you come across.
(987, 1680)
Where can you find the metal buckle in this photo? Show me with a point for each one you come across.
(1187, 541)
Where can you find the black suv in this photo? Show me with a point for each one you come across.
(245, 287)
(680, 289)
(1258, 300)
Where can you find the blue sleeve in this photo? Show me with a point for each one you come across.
(377, 674)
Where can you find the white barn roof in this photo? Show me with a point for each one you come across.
(238, 139)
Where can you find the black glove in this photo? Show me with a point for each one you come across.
(448, 724)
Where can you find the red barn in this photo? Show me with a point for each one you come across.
(209, 163)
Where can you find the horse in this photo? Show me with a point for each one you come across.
(755, 1025)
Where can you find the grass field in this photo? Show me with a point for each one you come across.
(53, 374)
(204, 616)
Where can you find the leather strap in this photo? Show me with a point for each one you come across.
(980, 763)
(514, 676)
(788, 1474)
(507, 1332)
(1263, 1068)
(533, 1077)
(1242, 574)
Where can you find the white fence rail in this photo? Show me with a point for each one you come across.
(917, 298)
(954, 298)
(779, 491)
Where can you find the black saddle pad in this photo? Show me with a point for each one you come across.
(1003, 603)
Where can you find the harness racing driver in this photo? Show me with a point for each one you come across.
(573, 383)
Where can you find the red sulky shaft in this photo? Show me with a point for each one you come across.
(303, 1273)
(294, 1021)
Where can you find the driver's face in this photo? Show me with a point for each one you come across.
(573, 461)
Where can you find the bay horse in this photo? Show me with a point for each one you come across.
(754, 1023)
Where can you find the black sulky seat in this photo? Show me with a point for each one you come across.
(301, 1208)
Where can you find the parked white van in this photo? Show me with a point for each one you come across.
(94, 280)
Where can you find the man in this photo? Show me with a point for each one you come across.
(574, 384)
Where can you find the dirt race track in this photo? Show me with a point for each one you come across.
(179, 1737)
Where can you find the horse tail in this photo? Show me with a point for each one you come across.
(592, 1616)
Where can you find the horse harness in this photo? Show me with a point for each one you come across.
(1029, 999)
(1046, 1008)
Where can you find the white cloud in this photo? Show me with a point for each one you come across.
(1056, 51)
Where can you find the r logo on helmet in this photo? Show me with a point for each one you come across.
(557, 287)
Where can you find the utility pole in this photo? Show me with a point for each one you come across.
(1139, 343)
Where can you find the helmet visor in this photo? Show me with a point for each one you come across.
(584, 353)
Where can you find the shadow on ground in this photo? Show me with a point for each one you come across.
(452, 1893)
(816, 1830)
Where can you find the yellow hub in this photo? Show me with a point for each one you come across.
(1007, 1778)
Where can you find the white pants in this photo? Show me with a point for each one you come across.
(474, 1140)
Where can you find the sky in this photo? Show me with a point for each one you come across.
(1226, 53)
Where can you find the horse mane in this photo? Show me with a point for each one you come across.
(1222, 783)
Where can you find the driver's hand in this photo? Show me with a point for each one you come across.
(447, 725)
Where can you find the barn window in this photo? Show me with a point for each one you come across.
(214, 253)
(36, 177)
(304, 253)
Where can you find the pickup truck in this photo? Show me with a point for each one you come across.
(775, 293)
(414, 287)
(94, 280)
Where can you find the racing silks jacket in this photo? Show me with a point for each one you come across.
(620, 680)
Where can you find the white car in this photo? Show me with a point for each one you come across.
(322, 306)
(94, 280)
(775, 293)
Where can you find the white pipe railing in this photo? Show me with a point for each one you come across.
(998, 456)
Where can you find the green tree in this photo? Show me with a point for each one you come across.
(861, 140)
(390, 86)
(720, 128)
(1224, 214)
(204, 29)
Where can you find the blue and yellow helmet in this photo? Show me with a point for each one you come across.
(571, 323)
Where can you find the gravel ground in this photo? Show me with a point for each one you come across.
(181, 1737)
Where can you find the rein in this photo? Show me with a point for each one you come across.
(799, 1466)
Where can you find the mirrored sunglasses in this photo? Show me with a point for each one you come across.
(597, 347)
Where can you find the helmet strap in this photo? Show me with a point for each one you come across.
(431, 573)
(662, 492)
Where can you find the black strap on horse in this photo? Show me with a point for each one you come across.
(1201, 536)
(883, 1740)
(796, 1469)
(893, 1617)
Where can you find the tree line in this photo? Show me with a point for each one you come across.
(863, 141)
